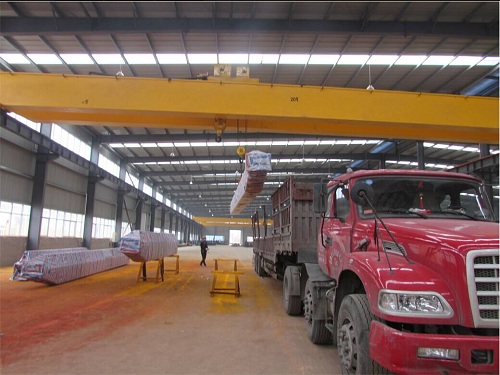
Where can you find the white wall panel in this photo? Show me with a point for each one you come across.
(64, 200)
(15, 188)
(67, 179)
(105, 203)
(17, 158)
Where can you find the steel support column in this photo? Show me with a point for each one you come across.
(37, 198)
(138, 214)
(152, 217)
(420, 155)
(120, 198)
(89, 210)
(162, 219)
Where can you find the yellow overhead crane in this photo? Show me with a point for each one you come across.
(228, 222)
(268, 108)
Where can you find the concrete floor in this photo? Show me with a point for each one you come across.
(110, 324)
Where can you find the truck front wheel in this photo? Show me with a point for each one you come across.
(353, 336)
(316, 329)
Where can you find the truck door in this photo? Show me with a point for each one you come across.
(337, 230)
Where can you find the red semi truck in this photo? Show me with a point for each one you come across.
(398, 268)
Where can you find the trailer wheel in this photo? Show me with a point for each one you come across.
(316, 329)
(292, 304)
(353, 336)
(260, 269)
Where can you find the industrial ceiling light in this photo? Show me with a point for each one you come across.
(120, 73)
(172, 153)
(191, 182)
(370, 86)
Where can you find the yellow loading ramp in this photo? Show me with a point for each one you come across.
(228, 105)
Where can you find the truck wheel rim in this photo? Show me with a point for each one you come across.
(308, 307)
(285, 286)
(347, 347)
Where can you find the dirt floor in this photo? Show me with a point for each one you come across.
(109, 323)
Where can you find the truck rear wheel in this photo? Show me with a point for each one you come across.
(316, 329)
(258, 266)
(353, 336)
(292, 303)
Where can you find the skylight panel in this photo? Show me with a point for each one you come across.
(263, 59)
(14, 58)
(466, 60)
(116, 145)
(353, 59)
(202, 58)
(132, 145)
(182, 144)
(382, 59)
(440, 145)
(294, 59)
(233, 58)
(149, 145)
(214, 144)
(198, 144)
(140, 58)
(171, 58)
(489, 61)
(438, 60)
(471, 149)
(166, 144)
(323, 59)
(76, 59)
(410, 60)
(44, 58)
(108, 59)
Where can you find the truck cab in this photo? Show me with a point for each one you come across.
(409, 273)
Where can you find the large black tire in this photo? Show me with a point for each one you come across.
(316, 329)
(260, 269)
(353, 336)
(292, 304)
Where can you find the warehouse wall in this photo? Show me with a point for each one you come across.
(224, 231)
(16, 173)
(65, 190)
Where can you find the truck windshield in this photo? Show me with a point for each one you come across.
(427, 197)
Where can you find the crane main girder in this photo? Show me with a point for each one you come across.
(256, 107)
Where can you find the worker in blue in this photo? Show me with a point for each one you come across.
(204, 249)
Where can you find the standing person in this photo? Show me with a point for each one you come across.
(204, 249)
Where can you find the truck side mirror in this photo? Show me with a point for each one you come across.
(319, 198)
(361, 193)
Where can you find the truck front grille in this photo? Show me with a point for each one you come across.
(483, 275)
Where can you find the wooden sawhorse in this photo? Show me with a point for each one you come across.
(176, 269)
(236, 288)
(159, 271)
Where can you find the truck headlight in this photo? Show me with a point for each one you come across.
(398, 302)
(439, 353)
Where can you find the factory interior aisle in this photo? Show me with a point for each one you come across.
(110, 323)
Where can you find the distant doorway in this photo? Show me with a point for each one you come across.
(235, 237)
